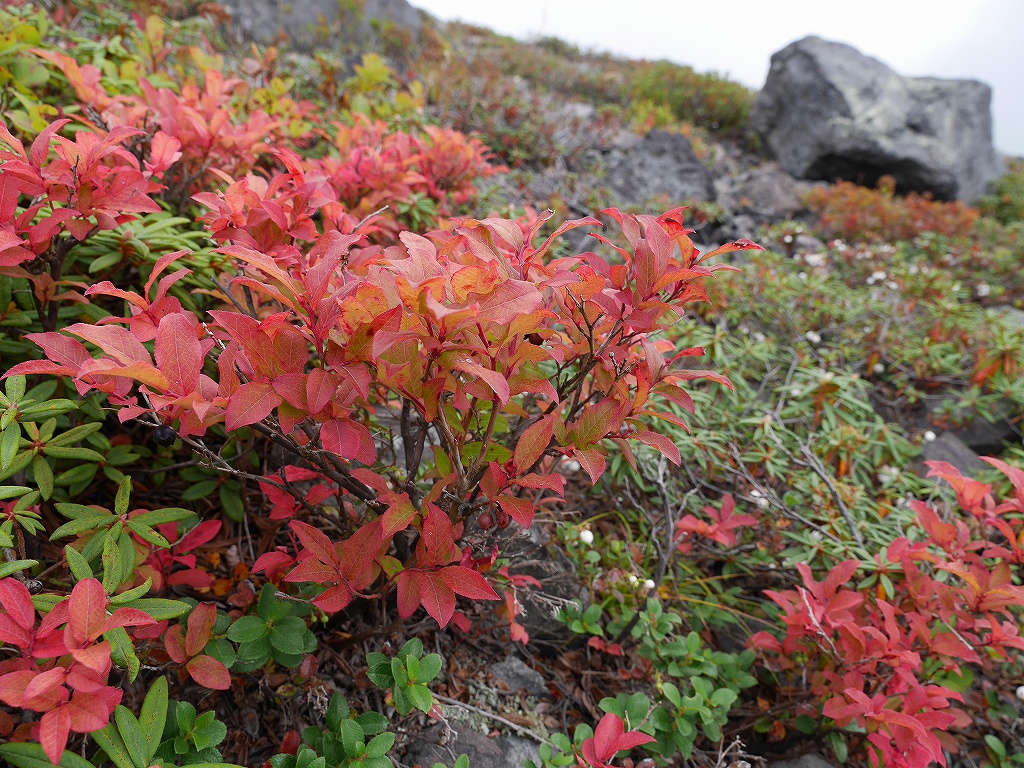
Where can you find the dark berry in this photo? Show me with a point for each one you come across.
(164, 435)
(486, 520)
(502, 518)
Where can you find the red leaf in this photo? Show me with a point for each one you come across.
(437, 539)
(518, 508)
(91, 711)
(554, 482)
(437, 597)
(532, 443)
(87, 610)
(593, 462)
(468, 583)
(250, 403)
(315, 542)
(662, 442)
(408, 594)
(53, 733)
(209, 673)
(509, 300)
(349, 439)
(179, 355)
(200, 627)
(494, 380)
(334, 599)
(17, 601)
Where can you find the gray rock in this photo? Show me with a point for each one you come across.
(805, 761)
(767, 193)
(485, 752)
(948, 447)
(660, 164)
(827, 112)
(1012, 316)
(560, 585)
(319, 24)
(514, 673)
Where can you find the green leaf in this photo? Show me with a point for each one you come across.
(351, 738)
(380, 744)
(380, 673)
(231, 501)
(159, 608)
(838, 744)
(14, 566)
(80, 454)
(122, 652)
(110, 741)
(420, 697)
(132, 736)
(247, 629)
(10, 441)
(31, 755)
(372, 722)
(123, 494)
(77, 564)
(429, 668)
(153, 714)
(209, 735)
(43, 476)
(167, 515)
(287, 636)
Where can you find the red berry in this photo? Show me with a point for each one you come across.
(486, 520)
(502, 518)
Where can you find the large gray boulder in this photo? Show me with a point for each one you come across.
(828, 111)
(310, 25)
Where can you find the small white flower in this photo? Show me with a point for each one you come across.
(887, 474)
(814, 259)
(879, 275)
(892, 285)
(759, 337)
(787, 239)
(929, 436)
(755, 494)
(816, 535)
(813, 336)
(587, 537)
(571, 465)
(866, 329)
(802, 275)
(827, 376)
(955, 288)
(870, 280)
(983, 289)
(1020, 692)
(878, 368)
(762, 503)
(912, 269)
(632, 579)
(796, 392)
(649, 584)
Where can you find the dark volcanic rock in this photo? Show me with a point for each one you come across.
(660, 164)
(319, 24)
(827, 112)
(767, 193)
(497, 752)
(948, 447)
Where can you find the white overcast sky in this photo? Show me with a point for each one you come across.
(979, 39)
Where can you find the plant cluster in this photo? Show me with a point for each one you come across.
(860, 214)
